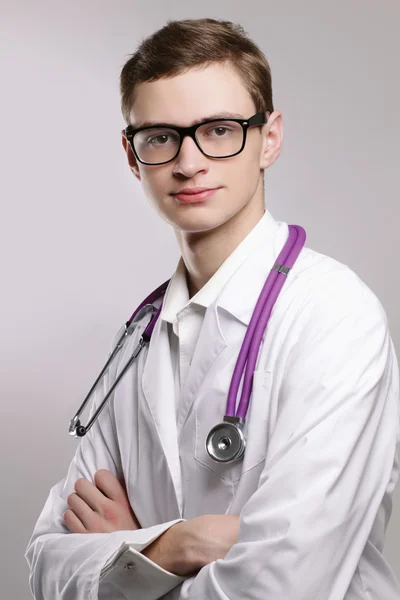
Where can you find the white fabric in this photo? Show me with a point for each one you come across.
(315, 486)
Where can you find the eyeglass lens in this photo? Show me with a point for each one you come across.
(217, 139)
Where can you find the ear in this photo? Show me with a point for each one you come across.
(272, 140)
(133, 164)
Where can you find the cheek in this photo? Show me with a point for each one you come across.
(152, 183)
(242, 177)
(156, 188)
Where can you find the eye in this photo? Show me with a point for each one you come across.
(220, 127)
(157, 137)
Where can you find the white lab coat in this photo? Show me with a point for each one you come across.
(314, 488)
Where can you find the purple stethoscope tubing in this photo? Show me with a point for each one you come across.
(257, 326)
(250, 346)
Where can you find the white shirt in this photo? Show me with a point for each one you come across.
(314, 490)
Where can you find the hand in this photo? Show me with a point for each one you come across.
(100, 508)
(205, 539)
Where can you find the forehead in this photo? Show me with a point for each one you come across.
(188, 98)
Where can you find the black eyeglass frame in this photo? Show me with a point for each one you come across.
(258, 119)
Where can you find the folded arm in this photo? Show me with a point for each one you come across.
(67, 566)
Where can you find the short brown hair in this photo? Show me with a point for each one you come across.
(181, 45)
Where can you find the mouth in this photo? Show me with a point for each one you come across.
(196, 197)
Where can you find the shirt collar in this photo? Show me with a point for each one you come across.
(256, 252)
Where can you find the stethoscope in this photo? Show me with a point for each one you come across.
(225, 442)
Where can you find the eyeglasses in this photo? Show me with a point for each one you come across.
(216, 138)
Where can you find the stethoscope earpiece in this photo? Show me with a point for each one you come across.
(76, 429)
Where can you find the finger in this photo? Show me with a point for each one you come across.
(90, 494)
(108, 483)
(81, 510)
(72, 522)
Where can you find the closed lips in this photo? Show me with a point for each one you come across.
(193, 190)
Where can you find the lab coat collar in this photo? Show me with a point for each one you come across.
(257, 249)
(239, 296)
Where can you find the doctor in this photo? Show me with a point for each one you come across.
(144, 512)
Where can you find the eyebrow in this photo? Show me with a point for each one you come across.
(220, 115)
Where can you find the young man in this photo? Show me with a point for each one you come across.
(144, 511)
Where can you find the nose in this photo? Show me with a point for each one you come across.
(190, 157)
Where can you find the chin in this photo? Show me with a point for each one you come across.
(202, 219)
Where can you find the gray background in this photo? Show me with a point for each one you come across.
(75, 223)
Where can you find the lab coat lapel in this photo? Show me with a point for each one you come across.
(158, 387)
(209, 346)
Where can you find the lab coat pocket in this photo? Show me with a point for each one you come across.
(255, 429)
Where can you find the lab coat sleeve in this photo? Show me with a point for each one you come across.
(329, 459)
(68, 566)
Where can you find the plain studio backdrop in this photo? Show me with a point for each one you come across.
(81, 246)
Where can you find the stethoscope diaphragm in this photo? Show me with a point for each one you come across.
(226, 443)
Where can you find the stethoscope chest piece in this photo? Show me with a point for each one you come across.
(226, 443)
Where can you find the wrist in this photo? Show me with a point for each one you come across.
(168, 550)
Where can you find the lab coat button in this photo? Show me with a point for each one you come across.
(129, 565)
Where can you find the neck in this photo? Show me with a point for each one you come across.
(204, 252)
